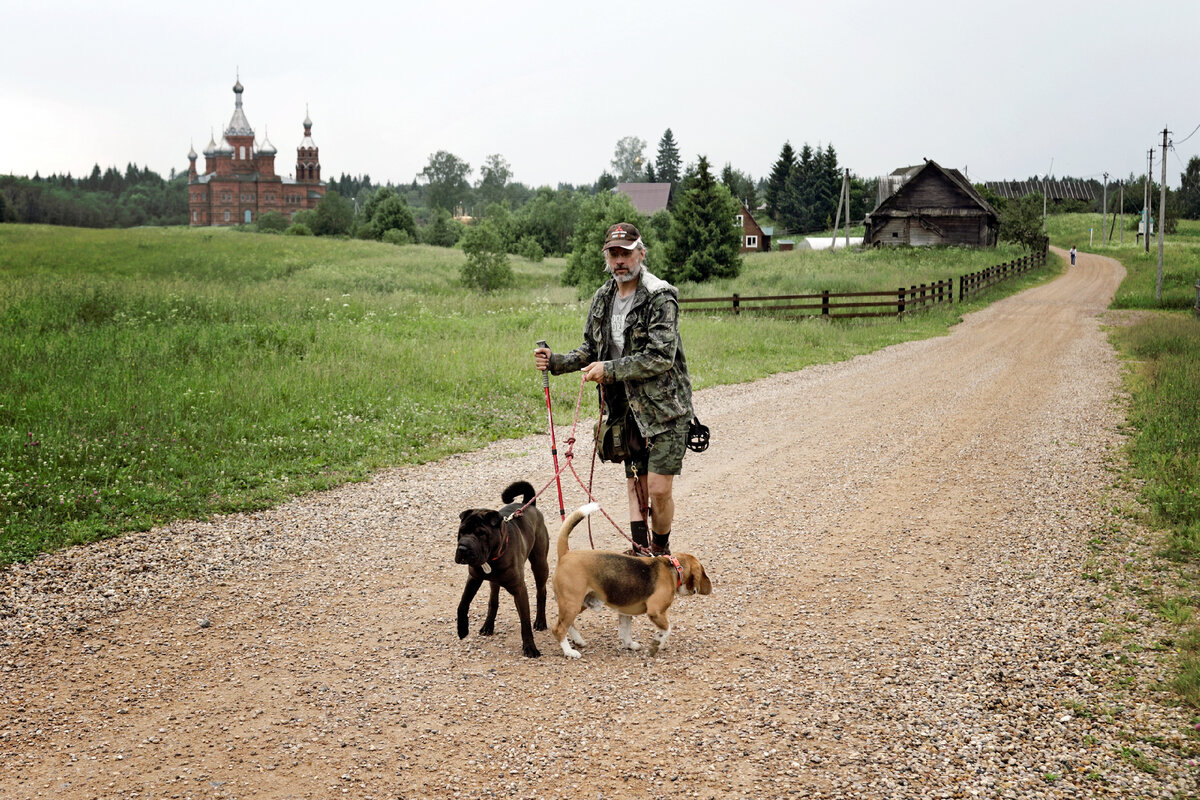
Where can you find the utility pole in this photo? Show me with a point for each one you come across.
(1121, 205)
(846, 190)
(1149, 208)
(1104, 213)
(1146, 200)
(1162, 220)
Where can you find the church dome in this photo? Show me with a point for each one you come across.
(238, 124)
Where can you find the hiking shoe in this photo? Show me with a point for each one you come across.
(660, 550)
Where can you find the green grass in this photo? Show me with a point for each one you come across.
(1181, 260)
(156, 374)
(1162, 349)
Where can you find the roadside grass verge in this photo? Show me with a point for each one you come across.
(1162, 351)
(1164, 383)
(156, 374)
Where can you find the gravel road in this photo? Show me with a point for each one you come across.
(899, 547)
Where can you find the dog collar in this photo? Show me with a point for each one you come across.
(678, 570)
(504, 544)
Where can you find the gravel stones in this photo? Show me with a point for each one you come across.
(898, 544)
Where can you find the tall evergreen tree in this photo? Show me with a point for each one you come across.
(668, 159)
(778, 180)
(740, 185)
(1187, 200)
(705, 238)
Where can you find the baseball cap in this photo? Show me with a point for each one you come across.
(621, 235)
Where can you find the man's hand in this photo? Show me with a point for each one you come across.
(541, 358)
(594, 372)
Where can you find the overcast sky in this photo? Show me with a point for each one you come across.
(1000, 89)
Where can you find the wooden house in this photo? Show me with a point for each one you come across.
(755, 239)
(935, 206)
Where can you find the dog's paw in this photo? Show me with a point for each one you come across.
(539, 624)
(576, 637)
(630, 644)
(531, 651)
(570, 652)
(463, 629)
(488, 629)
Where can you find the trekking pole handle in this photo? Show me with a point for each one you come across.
(545, 372)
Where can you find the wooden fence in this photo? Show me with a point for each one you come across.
(976, 282)
(870, 304)
(1196, 307)
(829, 304)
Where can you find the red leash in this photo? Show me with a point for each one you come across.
(562, 512)
(569, 457)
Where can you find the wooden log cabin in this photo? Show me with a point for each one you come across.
(936, 206)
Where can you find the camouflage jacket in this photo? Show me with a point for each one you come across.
(653, 368)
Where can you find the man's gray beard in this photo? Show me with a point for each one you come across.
(632, 275)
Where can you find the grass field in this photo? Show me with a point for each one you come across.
(1162, 350)
(1181, 259)
(154, 374)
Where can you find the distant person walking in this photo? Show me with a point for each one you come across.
(1072, 255)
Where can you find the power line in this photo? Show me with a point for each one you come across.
(1190, 135)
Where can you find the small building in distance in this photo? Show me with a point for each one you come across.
(648, 198)
(934, 206)
(755, 239)
(239, 183)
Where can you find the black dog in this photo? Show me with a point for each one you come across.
(496, 548)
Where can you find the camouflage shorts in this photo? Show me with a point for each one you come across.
(664, 452)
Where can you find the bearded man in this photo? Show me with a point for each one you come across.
(631, 347)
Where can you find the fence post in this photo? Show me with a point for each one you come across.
(825, 302)
(900, 300)
(736, 304)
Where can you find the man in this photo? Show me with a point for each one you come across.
(631, 346)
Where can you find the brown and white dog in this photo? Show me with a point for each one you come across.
(630, 585)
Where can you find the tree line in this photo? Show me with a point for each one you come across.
(108, 199)
(697, 239)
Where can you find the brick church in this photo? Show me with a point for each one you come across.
(239, 181)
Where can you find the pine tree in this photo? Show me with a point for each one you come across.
(668, 159)
(830, 185)
(778, 180)
(705, 239)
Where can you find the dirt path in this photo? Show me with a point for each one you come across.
(897, 545)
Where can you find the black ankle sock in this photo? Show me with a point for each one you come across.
(640, 532)
(662, 539)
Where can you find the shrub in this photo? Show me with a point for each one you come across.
(442, 231)
(529, 248)
(272, 222)
(396, 236)
(298, 229)
(487, 266)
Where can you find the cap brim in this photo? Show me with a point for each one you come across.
(620, 243)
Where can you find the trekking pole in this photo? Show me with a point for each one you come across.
(562, 512)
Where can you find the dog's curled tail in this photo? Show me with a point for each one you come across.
(522, 489)
(569, 524)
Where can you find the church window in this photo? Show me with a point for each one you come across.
(242, 155)
(227, 216)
